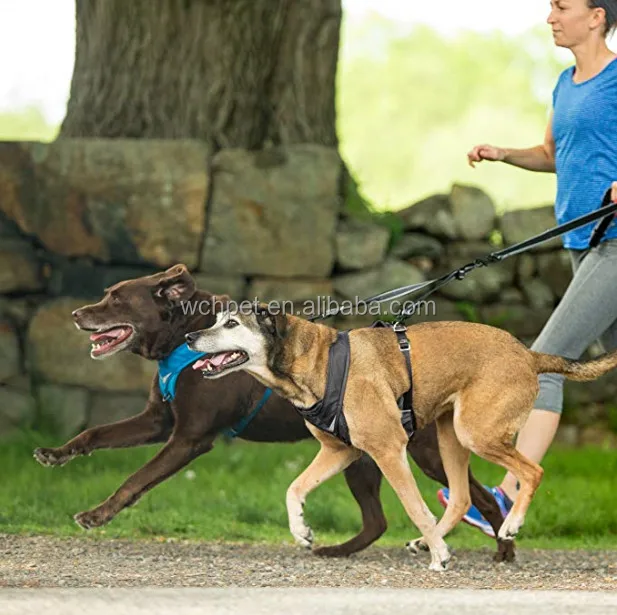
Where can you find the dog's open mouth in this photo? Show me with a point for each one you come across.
(220, 361)
(112, 339)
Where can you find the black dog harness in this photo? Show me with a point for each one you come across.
(327, 414)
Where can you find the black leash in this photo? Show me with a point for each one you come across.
(605, 214)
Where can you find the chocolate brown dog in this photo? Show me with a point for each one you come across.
(477, 382)
(145, 316)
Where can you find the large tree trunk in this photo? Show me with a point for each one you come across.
(236, 73)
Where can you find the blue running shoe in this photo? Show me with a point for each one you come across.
(473, 516)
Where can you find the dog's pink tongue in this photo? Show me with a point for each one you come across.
(201, 363)
(218, 359)
(112, 333)
(215, 360)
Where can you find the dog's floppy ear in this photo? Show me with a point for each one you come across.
(220, 303)
(175, 285)
(273, 322)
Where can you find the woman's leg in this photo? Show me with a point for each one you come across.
(534, 439)
(586, 313)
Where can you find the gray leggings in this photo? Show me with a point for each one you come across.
(586, 313)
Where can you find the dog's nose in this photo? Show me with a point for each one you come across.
(191, 337)
(75, 313)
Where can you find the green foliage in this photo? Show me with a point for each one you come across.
(412, 103)
(611, 412)
(496, 239)
(27, 124)
(469, 311)
(500, 320)
(225, 495)
(357, 206)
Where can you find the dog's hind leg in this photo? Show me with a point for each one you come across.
(333, 457)
(492, 439)
(178, 452)
(364, 480)
(424, 448)
(151, 426)
(528, 474)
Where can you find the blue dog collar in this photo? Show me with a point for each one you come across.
(171, 366)
(169, 370)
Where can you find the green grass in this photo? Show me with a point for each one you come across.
(237, 494)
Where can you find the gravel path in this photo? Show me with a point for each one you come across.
(39, 561)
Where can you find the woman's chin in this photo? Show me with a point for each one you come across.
(560, 41)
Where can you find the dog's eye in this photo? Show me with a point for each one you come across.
(231, 323)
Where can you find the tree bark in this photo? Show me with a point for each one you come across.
(235, 73)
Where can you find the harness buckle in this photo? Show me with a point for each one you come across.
(404, 345)
(399, 326)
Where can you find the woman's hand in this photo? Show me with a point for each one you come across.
(485, 152)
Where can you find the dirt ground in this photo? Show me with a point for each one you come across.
(39, 561)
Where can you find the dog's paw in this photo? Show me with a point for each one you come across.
(416, 546)
(440, 557)
(510, 528)
(303, 535)
(92, 518)
(505, 551)
(50, 457)
(439, 566)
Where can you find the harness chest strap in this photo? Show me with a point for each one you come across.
(327, 414)
(408, 417)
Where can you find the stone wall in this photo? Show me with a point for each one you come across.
(79, 215)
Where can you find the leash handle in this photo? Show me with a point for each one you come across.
(603, 224)
(430, 286)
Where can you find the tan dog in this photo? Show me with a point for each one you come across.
(477, 382)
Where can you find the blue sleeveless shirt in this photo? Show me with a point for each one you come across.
(585, 133)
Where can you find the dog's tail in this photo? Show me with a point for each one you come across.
(575, 370)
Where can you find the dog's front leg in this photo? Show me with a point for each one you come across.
(391, 457)
(332, 458)
(364, 480)
(177, 453)
(152, 425)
